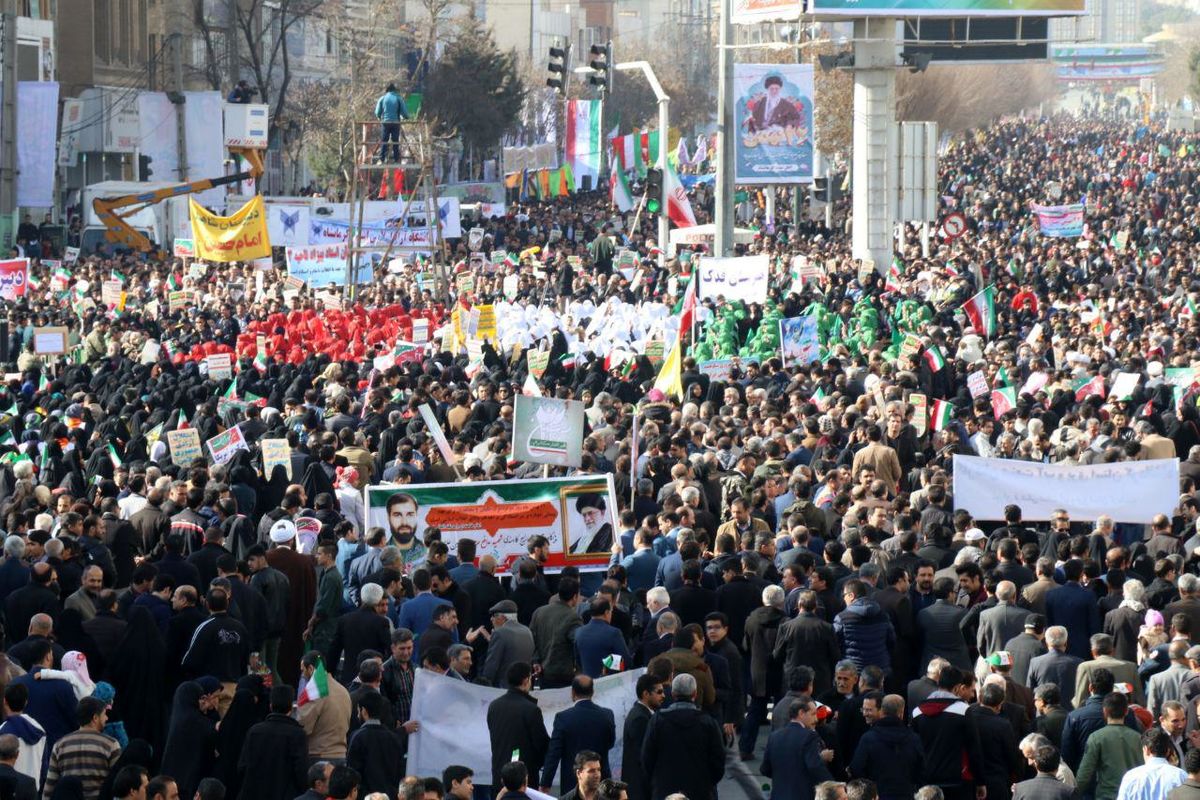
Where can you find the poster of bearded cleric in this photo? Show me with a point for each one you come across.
(577, 517)
(774, 116)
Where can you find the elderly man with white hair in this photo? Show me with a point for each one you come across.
(1124, 622)
(1034, 742)
(766, 677)
(1057, 666)
(683, 751)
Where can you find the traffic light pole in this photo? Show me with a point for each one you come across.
(664, 127)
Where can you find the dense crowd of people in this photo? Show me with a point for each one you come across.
(789, 564)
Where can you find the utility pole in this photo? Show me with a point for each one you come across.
(723, 202)
(180, 100)
(231, 44)
(8, 114)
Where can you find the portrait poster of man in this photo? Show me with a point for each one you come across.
(576, 515)
(774, 123)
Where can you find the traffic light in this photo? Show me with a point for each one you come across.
(600, 63)
(560, 66)
(654, 190)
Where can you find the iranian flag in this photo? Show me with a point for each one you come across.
(1189, 309)
(181, 424)
(316, 687)
(626, 151)
(1094, 386)
(981, 310)
(934, 358)
(113, 457)
(941, 414)
(619, 193)
(678, 207)
(173, 283)
(1004, 400)
(688, 312)
(892, 284)
(530, 388)
(260, 361)
(820, 399)
(583, 138)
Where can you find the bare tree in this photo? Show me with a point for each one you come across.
(960, 96)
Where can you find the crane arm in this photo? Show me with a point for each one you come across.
(112, 211)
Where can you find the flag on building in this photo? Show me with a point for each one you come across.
(941, 415)
(981, 310)
(619, 193)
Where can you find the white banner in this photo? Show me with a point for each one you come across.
(287, 225)
(735, 278)
(37, 135)
(1131, 491)
(453, 717)
(202, 114)
(157, 122)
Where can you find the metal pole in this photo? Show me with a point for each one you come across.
(664, 219)
(180, 104)
(723, 202)
(8, 111)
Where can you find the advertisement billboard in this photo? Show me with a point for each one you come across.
(946, 8)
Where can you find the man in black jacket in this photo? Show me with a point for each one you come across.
(364, 629)
(275, 754)
(584, 726)
(374, 751)
(515, 725)
(35, 597)
(1002, 759)
(808, 641)
(948, 737)
(890, 754)
(220, 647)
(23, 786)
(650, 695)
(683, 751)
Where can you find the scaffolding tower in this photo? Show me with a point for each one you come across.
(405, 169)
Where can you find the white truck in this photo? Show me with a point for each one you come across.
(160, 222)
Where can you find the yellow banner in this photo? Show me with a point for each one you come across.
(241, 237)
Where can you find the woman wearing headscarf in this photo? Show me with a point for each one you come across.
(137, 674)
(350, 499)
(188, 754)
(249, 707)
(74, 671)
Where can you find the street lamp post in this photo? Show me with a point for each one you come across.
(664, 117)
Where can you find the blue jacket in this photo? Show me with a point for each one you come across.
(865, 633)
(793, 763)
(390, 108)
(417, 613)
(13, 575)
(640, 569)
(583, 726)
(670, 572)
(594, 642)
(52, 704)
(1076, 609)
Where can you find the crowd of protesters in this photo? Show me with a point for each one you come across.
(790, 565)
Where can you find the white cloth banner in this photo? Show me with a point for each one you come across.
(1130, 491)
(202, 121)
(453, 717)
(735, 278)
(157, 129)
(37, 137)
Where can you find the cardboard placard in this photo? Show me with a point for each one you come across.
(920, 419)
(110, 293)
(538, 361)
(220, 366)
(420, 334)
(276, 452)
(178, 301)
(977, 384)
(654, 351)
(184, 446)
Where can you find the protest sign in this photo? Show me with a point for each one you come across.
(318, 265)
(184, 248)
(977, 384)
(575, 514)
(486, 327)
(177, 301)
(14, 277)
(548, 431)
(798, 340)
(223, 446)
(70, 255)
(1124, 385)
(1034, 383)
(717, 369)
(512, 285)
(920, 418)
(220, 366)
(420, 333)
(910, 346)
(654, 351)
(184, 446)
(451, 713)
(465, 283)
(439, 436)
(50, 341)
(241, 236)
(276, 453)
(1060, 221)
(538, 361)
(110, 293)
(1128, 491)
(742, 278)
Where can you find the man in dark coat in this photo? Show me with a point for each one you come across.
(889, 753)
(583, 726)
(515, 725)
(274, 758)
(52, 703)
(1046, 786)
(375, 752)
(683, 751)
(1002, 759)
(35, 597)
(650, 696)
(808, 641)
(363, 629)
(795, 759)
(22, 787)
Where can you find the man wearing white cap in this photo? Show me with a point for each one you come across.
(301, 573)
